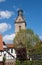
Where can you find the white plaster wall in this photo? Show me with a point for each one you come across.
(1, 57)
(8, 56)
(4, 46)
(14, 54)
(17, 26)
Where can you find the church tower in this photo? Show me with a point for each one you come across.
(20, 22)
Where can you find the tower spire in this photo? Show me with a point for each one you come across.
(20, 12)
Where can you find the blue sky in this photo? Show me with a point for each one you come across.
(8, 12)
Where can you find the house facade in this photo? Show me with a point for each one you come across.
(7, 51)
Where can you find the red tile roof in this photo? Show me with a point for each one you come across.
(1, 42)
(10, 45)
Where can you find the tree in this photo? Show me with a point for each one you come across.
(21, 54)
(28, 38)
(37, 49)
(17, 62)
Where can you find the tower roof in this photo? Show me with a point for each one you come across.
(20, 10)
(20, 18)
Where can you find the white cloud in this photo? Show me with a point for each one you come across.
(4, 27)
(2, 0)
(5, 14)
(9, 38)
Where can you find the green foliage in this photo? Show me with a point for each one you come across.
(4, 59)
(27, 62)
(27, 37)
(29, 40)
(17, 62)
(22, 62)
(37, 49)
(37, 62)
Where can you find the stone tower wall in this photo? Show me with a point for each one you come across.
(17, 26)
(20, 21)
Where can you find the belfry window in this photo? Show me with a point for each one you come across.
(19, 27)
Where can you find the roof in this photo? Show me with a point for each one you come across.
(20, 19)
(10, 45)
(1, 42)
(20, 10)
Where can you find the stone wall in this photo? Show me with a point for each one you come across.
(10, 62)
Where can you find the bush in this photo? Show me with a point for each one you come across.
(17, 62)
(38, 62)
(27, 62)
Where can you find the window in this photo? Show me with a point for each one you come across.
(11, 50)
(19, 27)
